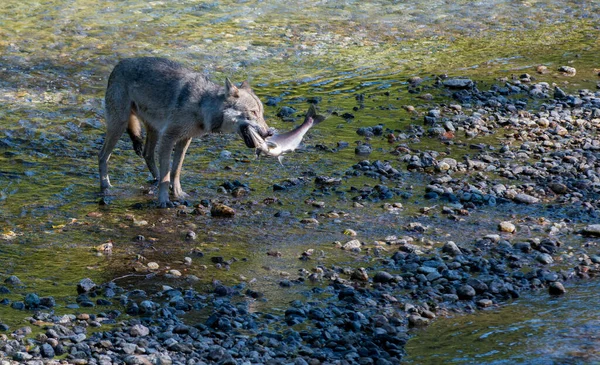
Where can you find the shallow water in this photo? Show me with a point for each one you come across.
(540, 330)
(55, 57)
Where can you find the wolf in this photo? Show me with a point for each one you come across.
(174, 104)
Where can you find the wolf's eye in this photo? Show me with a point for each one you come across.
(255, 113)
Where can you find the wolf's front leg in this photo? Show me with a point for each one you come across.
(165, 148)
(178, 156)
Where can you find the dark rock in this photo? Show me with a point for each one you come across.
(47, 351)
(465, 292)
(383, 277)
(556, 288)
(458, 83)
(47, 302)
(85, 285)
(32, 300)
(13, 280)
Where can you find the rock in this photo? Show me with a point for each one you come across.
(13, 280)
(309, 221)
(383, 277)
(47, 351)
(451, 248)
(525, 198)
(360, 274)
(544, 258)
(507, 227)
(363, 150)
(556, 288)
(568, 70)
(32, 300)
(85, 285)
(458, 83)
(351, 245)
(415, 320)
(465, 292)
(139, 330)
(484, 303)
(222, 210)
(591, 230)
(558, 188)
(153, 265)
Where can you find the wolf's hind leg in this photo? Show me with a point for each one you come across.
(150, 151)
(178, 156)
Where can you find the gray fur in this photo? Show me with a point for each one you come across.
(174, 104)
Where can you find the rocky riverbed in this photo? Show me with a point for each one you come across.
(540, 174)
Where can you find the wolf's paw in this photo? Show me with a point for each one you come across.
(165, 204)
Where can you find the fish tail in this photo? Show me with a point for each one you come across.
(312, 113)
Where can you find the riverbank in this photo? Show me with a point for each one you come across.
(506, 203)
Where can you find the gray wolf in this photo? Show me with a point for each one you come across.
(174, 104)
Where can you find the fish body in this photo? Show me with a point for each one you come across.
(279, 144)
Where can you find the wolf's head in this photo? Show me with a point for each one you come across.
(243, 110)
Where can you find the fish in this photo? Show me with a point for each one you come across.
(279, 144)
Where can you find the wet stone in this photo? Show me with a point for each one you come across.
(222, 210)
(592, 230)
(507, 227)
(556, 288)
(383, 277)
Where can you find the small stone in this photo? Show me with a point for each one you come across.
(351, 245)
(363, 150)
(465, 292)
(507, 227)
(139, 330)
(47, 351)
(175, 273)
(309, 221)
(544, 258)
(153, 265)
(556, 288)
(13, 280)
(360, 274)
(568, 70)
(451, 248)
(383, 277)
(526, 199)
(484, 303)
(592, 230)
(85, 285)
(222, 210)
(458, 83)
(350, 232)
(415, 320)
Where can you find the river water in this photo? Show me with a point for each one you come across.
(55, 57)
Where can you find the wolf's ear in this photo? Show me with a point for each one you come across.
(245, 85)
(231, 89)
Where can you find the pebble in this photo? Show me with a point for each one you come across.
(351, 245)
(556, 288)
(451, 248)
(465, 292)
(591, 230)
(544, 258)
(222, 210)
(507, 227)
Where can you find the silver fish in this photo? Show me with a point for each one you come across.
(279, 144)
